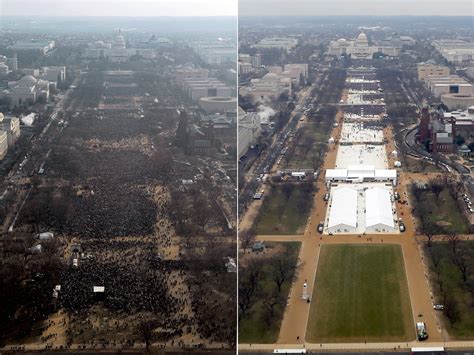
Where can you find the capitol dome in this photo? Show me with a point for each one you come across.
(27, 81)
(119, 42)
(362, 39)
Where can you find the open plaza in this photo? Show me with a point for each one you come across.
(353, 133)
(361, 154)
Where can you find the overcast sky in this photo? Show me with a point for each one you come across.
(119, 7)
(357, 7)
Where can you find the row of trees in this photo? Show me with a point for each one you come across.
(452, 266)
(423, 206)
(261, 284)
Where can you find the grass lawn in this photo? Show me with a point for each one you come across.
(312, 130)
(444, 212)
(361, 293)
(455, 288)
(281, 216)
(252, 328)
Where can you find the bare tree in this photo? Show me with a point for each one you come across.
(437, 186)
(307, 145)
(271, 300)
(287, 190)
(249, 278)
(453, 240)
(451, 310)
(283, 269)
(462, 260)
(146, 331)
(246, 238)
(423, 164)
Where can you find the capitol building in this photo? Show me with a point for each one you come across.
(360, 48)
(116, 51)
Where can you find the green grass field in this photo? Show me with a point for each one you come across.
(281, 216)
(454, 287)
(360, 294)
(252, 328)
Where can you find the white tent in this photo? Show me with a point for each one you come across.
(378, 206)
(343, 214)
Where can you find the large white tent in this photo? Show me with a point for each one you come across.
(343, 214)
(359, 173)
(379, 214)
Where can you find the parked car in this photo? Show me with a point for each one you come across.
(402, 227)
(321, 227)
(438, 307)
(326, 196)
(421, 333)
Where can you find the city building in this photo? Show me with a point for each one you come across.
(463, 122)
(4, 69)
(38, 46)
(360, 48)
(3, 142)
(455, 50)
(249, 130)
(430, 68)
(284, 43)
(211, 87)
(215, 53)
(457, 101)
(116, 51)
(12, 62)
(27, 90)
(215, 104)
(437, 132)
(197, 84)
(11, 125)
(244, 68)
(449, 84)
(254, 61)
(190, 73)
(296, 71)
(53, 75)
(277, 81)
(266, 89)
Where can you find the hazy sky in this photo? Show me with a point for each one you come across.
(119, 7)
(357, 7)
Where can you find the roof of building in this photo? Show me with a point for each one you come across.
(378, 208)
(344, 208)
(27, 80)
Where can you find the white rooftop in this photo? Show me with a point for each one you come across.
(372, 210)
(379, 214)
(343, 208)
